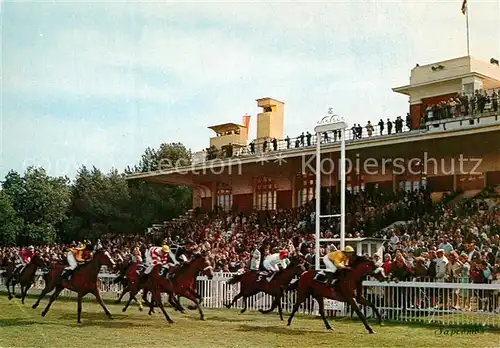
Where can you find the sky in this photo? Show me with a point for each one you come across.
(95, 83)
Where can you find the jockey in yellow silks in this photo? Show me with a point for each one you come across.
(77, 256)
(336, 260)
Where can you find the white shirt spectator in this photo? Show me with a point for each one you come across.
(441, 263)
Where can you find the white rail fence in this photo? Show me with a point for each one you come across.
(425, 302)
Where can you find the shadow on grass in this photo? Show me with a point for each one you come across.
(279, 330)
(16, 322)
(227, 319)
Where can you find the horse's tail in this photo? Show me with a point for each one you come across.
(235, 279)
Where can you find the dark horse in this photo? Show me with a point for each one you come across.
(344, 289)
(131, 281)
(25, 277)
(179, 283)
(83, 282)
(276, 287)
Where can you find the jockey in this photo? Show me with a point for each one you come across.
(24, 257)
(77, 256)
(155, 256)
(338, 259)
(273, 262)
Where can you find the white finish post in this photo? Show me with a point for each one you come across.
(342, 189)
(328, 124)
(318, 197)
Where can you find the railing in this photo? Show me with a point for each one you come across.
(425, 302)
(306, 141)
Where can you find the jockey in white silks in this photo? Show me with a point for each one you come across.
(273, 261)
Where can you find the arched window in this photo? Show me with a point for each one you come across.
(264, 194)
(224, 196)
(306, 188)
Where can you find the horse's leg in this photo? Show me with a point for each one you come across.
(189, 294)
(280, 309)
(7, 284)
(245, 303)
(52, 299)
(26, 288)
(48, 288)
(321, 307)
(360, 314)
(157, 298)
(131, 297)
(301, 297)
(124, 291)
(365, 302)
(175, 303)
(79, 310)
(236, 298)
(97, 295)
(273, 307)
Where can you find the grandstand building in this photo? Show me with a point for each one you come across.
(450, 142)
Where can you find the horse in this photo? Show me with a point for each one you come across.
(25, 277)
(178, 283)
(250, 286)
(131, 281)
(83, 282)
(344, 289)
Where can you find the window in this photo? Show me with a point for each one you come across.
(265, 194)
(306, 188)
(224, 196)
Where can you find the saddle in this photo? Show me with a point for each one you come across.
(325, 277)
(67, 273)
(265, 275)
(165, 272)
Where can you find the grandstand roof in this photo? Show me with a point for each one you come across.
(226, 127)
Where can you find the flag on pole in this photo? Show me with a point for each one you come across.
(464, 7)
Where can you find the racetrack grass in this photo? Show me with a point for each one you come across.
(21, 326)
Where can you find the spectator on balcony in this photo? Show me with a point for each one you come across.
(389, 126)
(359, 130)
(287, 140)
(369, 129)
(275, 144)
(308, 138)
(301, 138)
(381, 126)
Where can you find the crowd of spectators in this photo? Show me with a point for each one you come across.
(445, 242)
(463, 105)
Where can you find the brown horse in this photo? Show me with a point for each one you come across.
(178, 283)
(25, 277)
(84, 281)
(250, 286)
(131, 281)
(344, 289)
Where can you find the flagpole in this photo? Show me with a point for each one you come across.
(467, 27)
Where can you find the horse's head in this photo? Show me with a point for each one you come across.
(202, 264)
(38, 260)
(297, 268)
(103, 257)
(364, 266)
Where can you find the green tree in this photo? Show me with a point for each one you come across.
(40, 201)
(10, 223)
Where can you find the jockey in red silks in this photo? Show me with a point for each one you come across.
(156, 256)
(24, 257)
